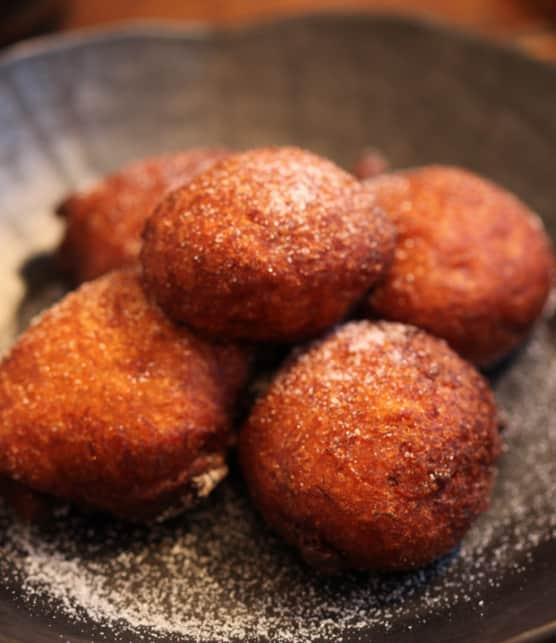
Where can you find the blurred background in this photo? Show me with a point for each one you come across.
(527, 24)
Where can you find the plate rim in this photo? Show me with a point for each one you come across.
(202, 30)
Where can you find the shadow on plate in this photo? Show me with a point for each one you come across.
(44, 283)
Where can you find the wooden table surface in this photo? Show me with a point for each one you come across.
(529, 24)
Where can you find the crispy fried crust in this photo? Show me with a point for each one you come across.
(374, 449)
(473, 264)
(104, 223)
(273, 244)
(105, 403)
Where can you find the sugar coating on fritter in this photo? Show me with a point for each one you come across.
(473, 264)
(273, 244)
(374, 449)
(105, 403)
(104, 223)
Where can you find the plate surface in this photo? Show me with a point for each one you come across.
(75, 108)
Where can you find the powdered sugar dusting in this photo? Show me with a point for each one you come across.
(219, 575)
(269, 228)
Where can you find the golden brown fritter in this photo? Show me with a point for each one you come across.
(104, 223)
(374, 449)
(274, 244)
(105, 403)
(473, 264)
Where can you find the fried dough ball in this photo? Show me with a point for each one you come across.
(104, 223)
(473, 264)
(105, 403)
(274, 244)
(373, 450)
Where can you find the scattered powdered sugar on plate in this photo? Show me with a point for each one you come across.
(218, 574)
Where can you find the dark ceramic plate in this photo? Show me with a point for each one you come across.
(74, 108)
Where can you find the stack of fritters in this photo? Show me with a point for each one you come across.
(374, 446)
